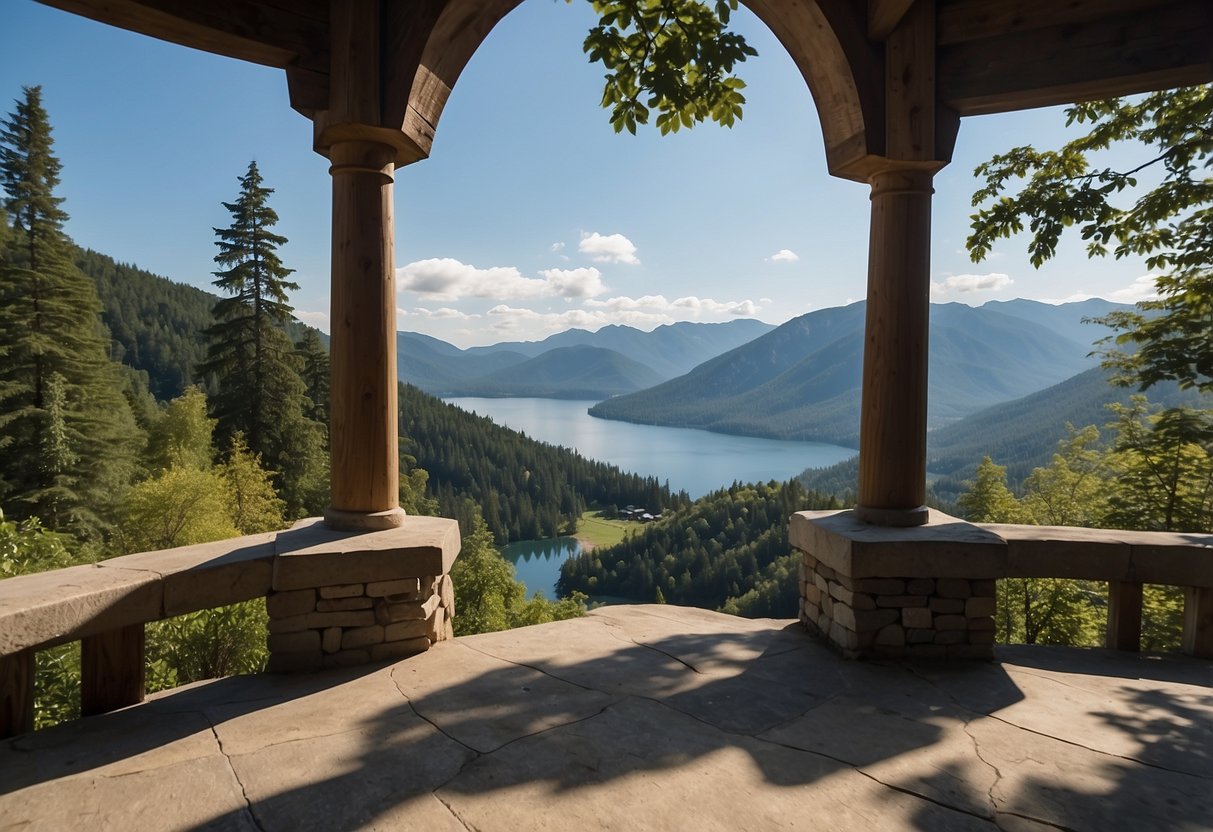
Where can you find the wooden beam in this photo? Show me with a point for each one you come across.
(16, 693)
(1171, 45)
(1198, 622)
(966, 20)
(910, 86)
(269, 32)
(1124, 616)
(884, 15)
(112, 670)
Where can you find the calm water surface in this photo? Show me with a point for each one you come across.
(696, 461)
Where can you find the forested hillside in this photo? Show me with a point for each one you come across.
(156, 325)
(526, 490)
(727, 550)
(1020, 435)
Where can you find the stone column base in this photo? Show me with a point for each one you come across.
(340, 599)
(920, 592)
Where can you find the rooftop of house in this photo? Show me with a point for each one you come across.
(643, 717)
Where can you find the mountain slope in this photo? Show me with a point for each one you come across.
(1020, 434)
(802, 380)
(670, 350)
(580, 372)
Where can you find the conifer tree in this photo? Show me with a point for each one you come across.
(314, 359)
(50, 328)
(252, 361)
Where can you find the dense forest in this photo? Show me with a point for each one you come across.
(525, 489)
(726, 550)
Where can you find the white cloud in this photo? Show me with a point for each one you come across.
(961, 284)
(611, 248)
(448, 279)
(441, 313)
(679, 307)
(320, 320)
(644, 312)
(574, 283)
(1143, 288)
(557, 247)
(784, 255)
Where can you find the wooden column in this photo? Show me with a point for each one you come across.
(365, 476)
(16, 693)
(112, 670)
(1198, 622)
(1124, 616)
(893, 415)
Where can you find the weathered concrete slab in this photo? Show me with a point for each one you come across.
(484, 702)
(654, 717)
(610, 772)
(311, 554)
(36, 610)
(200, 794)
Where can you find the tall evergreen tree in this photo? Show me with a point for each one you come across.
(314, 359)
(258, 389)
(59, 392)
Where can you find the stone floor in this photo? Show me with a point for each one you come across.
(643, 717)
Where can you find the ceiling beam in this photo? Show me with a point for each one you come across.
(1169, 45)
(268, 32)
(884, 15)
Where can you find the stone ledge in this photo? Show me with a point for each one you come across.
(945, 547)
(48, 608)
(312, 555)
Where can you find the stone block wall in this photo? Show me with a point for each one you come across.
(340, 599)
(350, 624)
(938, 618)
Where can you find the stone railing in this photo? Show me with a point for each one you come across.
(334, 599)
(929, 591)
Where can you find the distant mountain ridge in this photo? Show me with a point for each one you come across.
(802, 380)
(578, 364)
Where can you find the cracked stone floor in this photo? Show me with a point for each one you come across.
(643, 717)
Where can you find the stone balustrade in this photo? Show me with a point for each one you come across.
(334, 598)
(928, 591)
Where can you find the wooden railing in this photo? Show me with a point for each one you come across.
(1126, 560)
(106, 605)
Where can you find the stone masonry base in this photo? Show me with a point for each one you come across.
(873, 592)
(342, 599)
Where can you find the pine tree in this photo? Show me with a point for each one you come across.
(314, 359)
(258, 389)
(50, 327)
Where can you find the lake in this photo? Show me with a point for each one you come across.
(695, 461)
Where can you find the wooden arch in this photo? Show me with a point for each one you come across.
(828, 41)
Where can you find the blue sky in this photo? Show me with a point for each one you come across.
(531, 215)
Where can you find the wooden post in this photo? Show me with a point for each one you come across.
(1198, 622)
(1124, 616)
(111, 670)
(365, 477)
(16, 693)
(893, 414)
(893, 418)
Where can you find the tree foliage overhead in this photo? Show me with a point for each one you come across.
(1169, 224)
(675, 57)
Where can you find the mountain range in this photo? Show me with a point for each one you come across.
(802, 379)
(575, 364)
